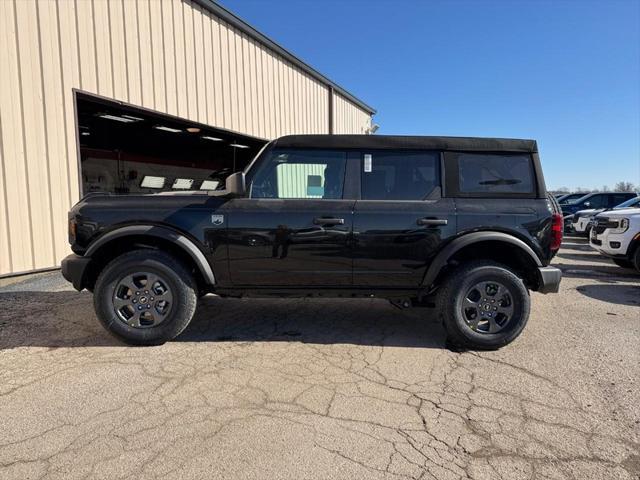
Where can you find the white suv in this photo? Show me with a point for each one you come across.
(582, 221)
(616, 234)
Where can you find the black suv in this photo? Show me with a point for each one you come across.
(464, 225)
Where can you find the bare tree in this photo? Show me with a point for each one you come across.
(605, 188)
(624, 187)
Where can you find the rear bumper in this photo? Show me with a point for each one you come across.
(74, 268)
(549, 279)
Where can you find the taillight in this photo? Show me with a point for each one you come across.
(557, 226)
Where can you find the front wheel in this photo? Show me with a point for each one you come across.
(484, 306)
(145, 297)
(621, 262)
(636, 258)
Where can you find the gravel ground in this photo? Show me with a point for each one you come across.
(298, 389)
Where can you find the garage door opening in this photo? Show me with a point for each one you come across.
(129, 150)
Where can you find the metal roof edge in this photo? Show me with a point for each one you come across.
(243, 26)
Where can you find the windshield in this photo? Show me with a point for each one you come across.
(579, 199)
(631, 203)
(569, 197)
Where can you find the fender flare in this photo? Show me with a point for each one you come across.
(445, 254)
(164, 233)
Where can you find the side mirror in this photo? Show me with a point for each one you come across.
(587, 204)
(235, 185)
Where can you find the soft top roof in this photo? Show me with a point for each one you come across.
(469, 144)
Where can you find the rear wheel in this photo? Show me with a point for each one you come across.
(145, 297)
(623, 263)
(483, 305)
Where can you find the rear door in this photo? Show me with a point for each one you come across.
(616, 199)
(294, 229)
(401, 218)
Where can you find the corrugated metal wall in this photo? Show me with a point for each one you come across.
(348, 118)
(168, 55)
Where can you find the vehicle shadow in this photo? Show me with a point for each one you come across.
(620, 294)
(66, 319)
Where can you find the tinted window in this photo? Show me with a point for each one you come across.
(618, 198)
(399, 175)
(597, 201)
(300, 174)
(632, 202)
(492, 173)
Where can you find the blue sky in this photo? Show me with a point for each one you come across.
(566, 73)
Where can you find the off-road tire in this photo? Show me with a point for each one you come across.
(621, 262)
(182, 286)
(636, 258)
(453, 291)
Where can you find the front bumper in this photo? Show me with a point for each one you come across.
(549, 279)
(610, 244)
(74, 269)
(581, 225)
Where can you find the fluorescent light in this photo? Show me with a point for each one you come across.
(152, 182)
(85, 134)
(209, 185)
(213, 139)
(167, 129)
(135, 119)
(182, 183)
(237, 145)
(193, 130)
(122, 119)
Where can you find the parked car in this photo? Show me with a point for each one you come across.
(582, 221)
(593, 201)
(616, 234)
(462, 224)
(569, 197)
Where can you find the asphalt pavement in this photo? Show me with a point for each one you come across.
(324, 389)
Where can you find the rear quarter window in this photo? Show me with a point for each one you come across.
(491, 174)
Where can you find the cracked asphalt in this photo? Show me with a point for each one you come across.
(324, 389)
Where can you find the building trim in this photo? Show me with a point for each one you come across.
(243, 26)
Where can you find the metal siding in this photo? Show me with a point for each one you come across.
(169, 55)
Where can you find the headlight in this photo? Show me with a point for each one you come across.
(623, 226)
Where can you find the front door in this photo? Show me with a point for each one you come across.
(401, 218)
(294, 230)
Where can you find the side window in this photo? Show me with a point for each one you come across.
(296, 174)
(399, 175)
(488, 173)
(597, 201)
(618, 199)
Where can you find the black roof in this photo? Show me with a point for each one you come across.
(470, 144)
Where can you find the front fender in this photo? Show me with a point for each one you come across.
(181, 241)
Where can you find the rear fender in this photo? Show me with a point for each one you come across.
(442, 258)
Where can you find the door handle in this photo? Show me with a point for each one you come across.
(432, 221)
(328, 221)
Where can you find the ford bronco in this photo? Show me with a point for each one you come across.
(462, 225)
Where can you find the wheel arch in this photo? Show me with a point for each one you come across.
(124, 239)
(497, 246)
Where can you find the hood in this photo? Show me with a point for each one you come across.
(622, 212)
(589, 212)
